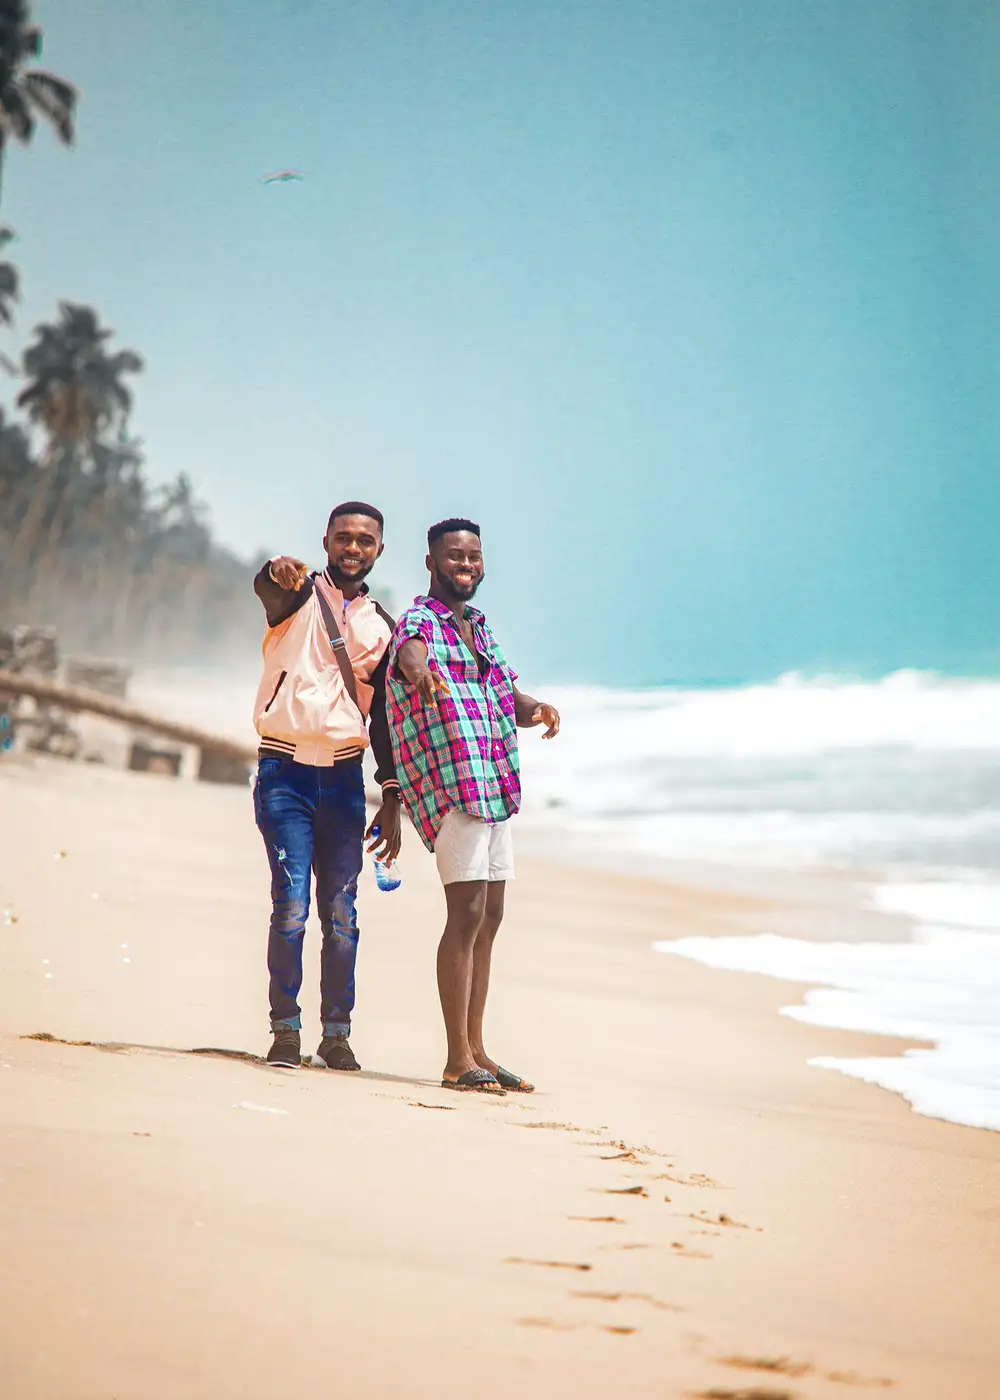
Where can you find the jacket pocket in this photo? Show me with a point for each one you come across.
(274, 695)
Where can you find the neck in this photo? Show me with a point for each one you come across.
(457, 605)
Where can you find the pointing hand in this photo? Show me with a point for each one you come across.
(288, 573)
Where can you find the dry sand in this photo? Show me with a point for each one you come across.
(683, 1209)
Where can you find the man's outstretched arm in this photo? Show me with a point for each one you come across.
(529, 712)
(412, 661)
(282, 586)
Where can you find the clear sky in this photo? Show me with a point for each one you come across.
(693, 303)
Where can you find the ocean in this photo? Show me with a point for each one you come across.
(892, 784)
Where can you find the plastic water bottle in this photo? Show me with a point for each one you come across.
(387, 875)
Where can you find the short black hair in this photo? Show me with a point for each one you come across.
(357, 508)
(451, 527)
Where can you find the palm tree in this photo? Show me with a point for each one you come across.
(10, 282)
(16, 468)
(75, 389)
(75, 393)
(28, 93)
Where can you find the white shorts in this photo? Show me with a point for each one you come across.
(467, 848)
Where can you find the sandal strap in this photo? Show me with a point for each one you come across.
(477, 1076)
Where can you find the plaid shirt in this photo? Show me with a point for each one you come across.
(463, 753)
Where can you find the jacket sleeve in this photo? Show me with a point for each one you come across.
(279, 603)
(378, 728)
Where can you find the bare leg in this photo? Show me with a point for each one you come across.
(466, 906)
(482, 953)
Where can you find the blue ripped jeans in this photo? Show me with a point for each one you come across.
(312, 820)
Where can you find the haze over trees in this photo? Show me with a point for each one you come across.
(88, 543)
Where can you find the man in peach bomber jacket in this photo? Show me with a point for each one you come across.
(314, 718)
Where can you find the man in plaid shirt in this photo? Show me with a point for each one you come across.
(454, 710)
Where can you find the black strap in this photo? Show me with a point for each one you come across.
(338, 644)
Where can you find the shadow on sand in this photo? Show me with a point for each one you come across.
(118, 1047)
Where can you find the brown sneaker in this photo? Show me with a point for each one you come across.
(335, 1051)
(286, 1049)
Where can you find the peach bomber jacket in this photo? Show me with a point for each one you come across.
(303, 710)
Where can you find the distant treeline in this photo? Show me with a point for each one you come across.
(87, 543)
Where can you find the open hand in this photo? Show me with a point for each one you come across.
(288, 573)
(549, 716)
(429, 685)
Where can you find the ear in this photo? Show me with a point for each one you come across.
(380, 549)
(326, 545)
(429, 563)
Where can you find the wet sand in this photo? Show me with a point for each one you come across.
(683, 1209)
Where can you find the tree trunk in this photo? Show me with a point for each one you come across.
(19, 553)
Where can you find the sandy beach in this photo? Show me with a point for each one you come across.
(683, 1209)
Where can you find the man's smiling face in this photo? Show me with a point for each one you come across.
(353, 543)
(456, 563)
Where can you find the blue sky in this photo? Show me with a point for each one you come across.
(693, 303)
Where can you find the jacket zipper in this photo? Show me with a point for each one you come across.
(281, 681)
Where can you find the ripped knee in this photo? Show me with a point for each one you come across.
(339, 916)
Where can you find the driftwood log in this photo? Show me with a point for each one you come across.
(81, 700)
(220, 759)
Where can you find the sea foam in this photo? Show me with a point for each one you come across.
(941, 986)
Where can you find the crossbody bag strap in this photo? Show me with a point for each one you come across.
(338, 644)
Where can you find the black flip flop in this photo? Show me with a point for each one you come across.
(474, 1080)
(513, 1081)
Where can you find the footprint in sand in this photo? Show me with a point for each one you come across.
(796, 1371)
(785, 1366)
(552, 1264)
(754, 1393)
(596, 1296)
(775, 1365)
(692, 1179)
(721, 1219)
(852, 1378)
(548, 1323)
(623, 1149)
(553, 1127)
(682, 1251)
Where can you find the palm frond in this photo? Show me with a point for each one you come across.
(55, 98)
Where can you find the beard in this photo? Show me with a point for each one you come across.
(340, 578)
(456, 593)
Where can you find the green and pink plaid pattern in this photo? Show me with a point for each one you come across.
(463, 753)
